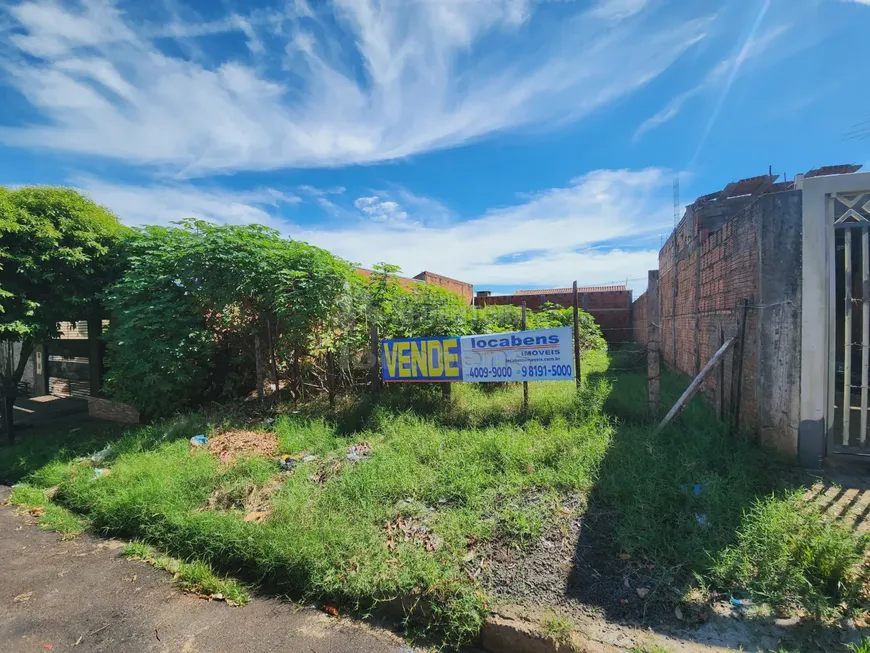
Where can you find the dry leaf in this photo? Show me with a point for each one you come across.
(21, 598)
(623, 556)
(642, 592)
(258, 516)
(331, 609)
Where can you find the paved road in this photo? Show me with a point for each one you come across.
(54, 594)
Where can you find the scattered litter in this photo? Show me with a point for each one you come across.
(198, 440)
(623, 556)
(287, 462)
(325, 470)
(102, 454)
(442, 500)
(36, 511)
(269, 420)
(702, 520)
(359, 451)
(331, 609)
(99, 472)
(310, 458)
(678, 613)
(232, 444)
(217, 596)
(21, 598)
(411, 530)
(48, 646)
(642, 592)
(741, 602)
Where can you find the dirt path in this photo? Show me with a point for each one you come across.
(54, 594)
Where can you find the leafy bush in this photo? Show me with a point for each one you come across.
(200, 301)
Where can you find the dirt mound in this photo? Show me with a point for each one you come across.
(234, 444)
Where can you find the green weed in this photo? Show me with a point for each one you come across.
(788, 555)
(51, 517)
(558, 628)
(196, 577)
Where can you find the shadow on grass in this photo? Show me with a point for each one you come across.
(49, 450)
(668, 510)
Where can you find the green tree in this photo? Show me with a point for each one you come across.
(58, 251)
(200, 302)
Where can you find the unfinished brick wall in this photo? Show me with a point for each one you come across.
(706, 269)
(610, 308)
(639, 319)
(464, 290)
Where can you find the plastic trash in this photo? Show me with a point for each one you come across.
(353, 456)
(287, 462)
(198, 440)
(99, 472)
(697, 488)
(702, 519)
(102, 454)
(740, 602)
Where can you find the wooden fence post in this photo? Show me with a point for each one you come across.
(525, 383)
(330, 376)
(576, 337)
(737, 365)
(376, 359)
(258, 362)
(653, 350)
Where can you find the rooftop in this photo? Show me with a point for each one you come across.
(562, 291)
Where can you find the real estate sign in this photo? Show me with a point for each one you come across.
(540, 355)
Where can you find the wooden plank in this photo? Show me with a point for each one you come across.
(847, 342)
(525, 383)
(865, 324)
(653, 345)
(576, 337)
(720, 382)
(737, 365)
(694, 386)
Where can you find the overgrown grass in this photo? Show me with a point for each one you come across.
(196, 576)
(452, 476)
(788, 555)
(50, 516)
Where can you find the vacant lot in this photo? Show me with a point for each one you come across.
(410, 504)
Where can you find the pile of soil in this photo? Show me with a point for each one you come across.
(233, 444)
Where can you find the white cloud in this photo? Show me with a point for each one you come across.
(166, 203)
(570, 230)
(400, 78)
(381, 210)
(716, 78)
(618, 9)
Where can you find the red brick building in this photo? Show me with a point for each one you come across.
(461, 288)
(609, 305)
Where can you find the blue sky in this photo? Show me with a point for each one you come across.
(508, 143)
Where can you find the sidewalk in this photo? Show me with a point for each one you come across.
(81, 596)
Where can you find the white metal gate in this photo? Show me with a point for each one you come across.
(849, 316)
